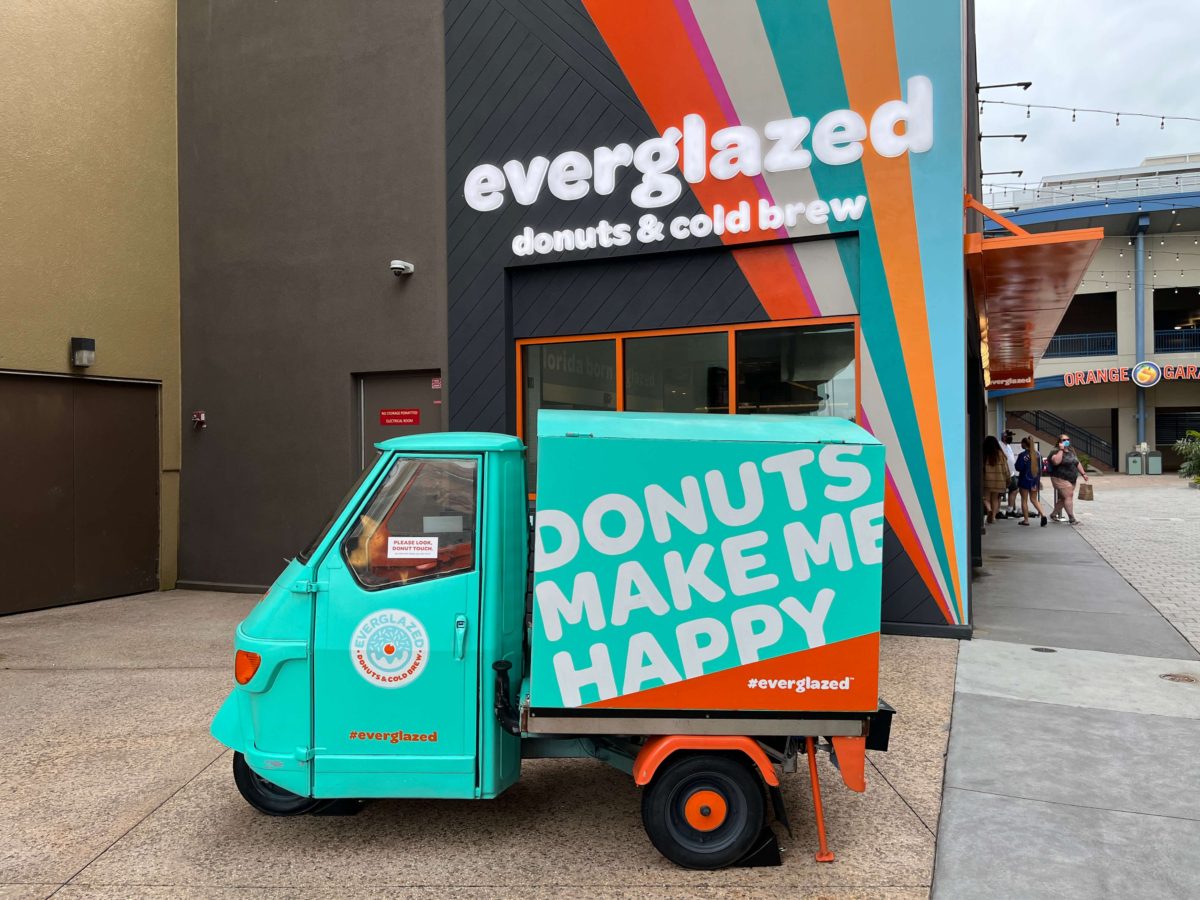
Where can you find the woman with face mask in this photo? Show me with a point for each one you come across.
(1065, 470)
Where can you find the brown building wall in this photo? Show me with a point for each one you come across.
(311, 148)
(89, 202)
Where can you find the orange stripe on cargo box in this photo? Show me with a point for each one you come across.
(771, 684)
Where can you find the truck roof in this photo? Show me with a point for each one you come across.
(452, 442)
(647, 426)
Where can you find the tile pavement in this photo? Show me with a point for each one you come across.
(113, 788)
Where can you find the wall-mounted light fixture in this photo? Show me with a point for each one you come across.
(83, 352)
(401, 267)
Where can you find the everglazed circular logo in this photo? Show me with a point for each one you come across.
(389, 648)
(1146, 374)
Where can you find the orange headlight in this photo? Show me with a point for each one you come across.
(245, 664)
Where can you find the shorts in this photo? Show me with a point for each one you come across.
(1061, 484)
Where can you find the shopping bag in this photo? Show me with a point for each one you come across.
(1085, 492)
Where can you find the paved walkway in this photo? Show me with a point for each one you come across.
(113, 788)
(1072, 762)
(1148, 529)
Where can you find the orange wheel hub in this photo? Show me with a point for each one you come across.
(705, 810)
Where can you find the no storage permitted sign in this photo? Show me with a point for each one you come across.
(399, 417)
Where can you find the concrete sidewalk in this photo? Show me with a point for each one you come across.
(1072, 762)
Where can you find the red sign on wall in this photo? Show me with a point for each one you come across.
(399, 417)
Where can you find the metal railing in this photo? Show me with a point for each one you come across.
(1081, 190)
(1186, 340)
(1084, 441)
(1097, 343)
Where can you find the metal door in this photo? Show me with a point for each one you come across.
(79, 470)
(116, 489)
(37, 552)
(396, 642)
(393, 404)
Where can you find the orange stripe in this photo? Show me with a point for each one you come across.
(656, 55)
(771, 276)
(867, 47)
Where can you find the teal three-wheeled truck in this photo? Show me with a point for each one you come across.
(700, 610)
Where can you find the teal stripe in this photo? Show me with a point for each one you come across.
(929, 42)
(804, 45)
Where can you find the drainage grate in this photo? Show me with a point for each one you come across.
(1051, 650)
(998, 556)
(1179, 677)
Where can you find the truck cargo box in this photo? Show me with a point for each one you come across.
(706, 562)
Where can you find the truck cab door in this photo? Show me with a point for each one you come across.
(396, 642)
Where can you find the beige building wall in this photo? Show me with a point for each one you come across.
(89, 214)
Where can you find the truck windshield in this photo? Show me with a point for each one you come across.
(358, 482)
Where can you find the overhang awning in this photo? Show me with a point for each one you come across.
(1022, 284)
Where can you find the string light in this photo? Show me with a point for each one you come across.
(1075, 110)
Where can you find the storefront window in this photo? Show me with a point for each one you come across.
(807, 371)
(796, 368)
(565, 375)
(678, 373)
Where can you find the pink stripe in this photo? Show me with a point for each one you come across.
(717, 84)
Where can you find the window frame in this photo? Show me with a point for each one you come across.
(731, 343)
(476, 549)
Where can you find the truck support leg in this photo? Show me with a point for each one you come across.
(823, 854)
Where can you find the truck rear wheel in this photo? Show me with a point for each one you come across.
(267, 797)
(703, 811)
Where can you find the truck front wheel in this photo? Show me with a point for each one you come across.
(703, 811)
(267, 797)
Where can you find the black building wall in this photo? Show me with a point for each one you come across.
(310, 154)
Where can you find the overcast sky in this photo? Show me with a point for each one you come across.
(1134, 55)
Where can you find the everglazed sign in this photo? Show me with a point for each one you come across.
(784, 145)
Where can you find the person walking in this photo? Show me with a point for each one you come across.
(1010, 453)
(1065, 470)
(1029, 480)
(995, 477)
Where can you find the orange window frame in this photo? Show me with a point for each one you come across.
(731, 330)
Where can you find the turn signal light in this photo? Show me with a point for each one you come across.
(245, 664)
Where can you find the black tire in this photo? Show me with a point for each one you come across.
(267, 797)
(665, 819)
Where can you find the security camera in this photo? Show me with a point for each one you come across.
(400, 267)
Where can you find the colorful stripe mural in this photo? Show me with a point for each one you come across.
(745, 63)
